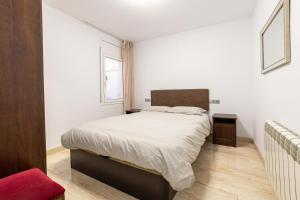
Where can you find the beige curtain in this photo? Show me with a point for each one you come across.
(127, 56)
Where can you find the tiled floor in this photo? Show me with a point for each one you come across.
(222, 173)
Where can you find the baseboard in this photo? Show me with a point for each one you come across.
(245, 139)
(259, 153)
(55, 150)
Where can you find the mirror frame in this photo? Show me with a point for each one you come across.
(285, 5)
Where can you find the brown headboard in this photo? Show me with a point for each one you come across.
(192, 97)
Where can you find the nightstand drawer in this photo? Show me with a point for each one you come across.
(224, 131)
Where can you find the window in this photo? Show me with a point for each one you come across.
(113, 80)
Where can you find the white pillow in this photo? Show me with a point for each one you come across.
(157, 109)
(187, 110)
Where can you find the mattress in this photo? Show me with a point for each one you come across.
(167, 143)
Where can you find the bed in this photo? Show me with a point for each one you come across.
(148, 154)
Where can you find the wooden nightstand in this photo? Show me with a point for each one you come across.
(133, 111)
(224, 129)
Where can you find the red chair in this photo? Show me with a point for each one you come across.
(30, 185)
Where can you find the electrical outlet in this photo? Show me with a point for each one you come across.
(147, 100)
(215, 101)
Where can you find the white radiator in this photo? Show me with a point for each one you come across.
(282, 148)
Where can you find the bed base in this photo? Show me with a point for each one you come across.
(136, 182)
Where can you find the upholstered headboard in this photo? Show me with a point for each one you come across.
(191, 97)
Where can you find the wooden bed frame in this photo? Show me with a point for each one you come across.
(131, 180)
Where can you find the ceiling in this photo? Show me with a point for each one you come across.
(138, 20)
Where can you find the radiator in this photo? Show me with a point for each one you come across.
(282, 148)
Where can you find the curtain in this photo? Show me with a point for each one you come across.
(127, 56)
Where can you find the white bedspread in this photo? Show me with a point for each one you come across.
(165, 142)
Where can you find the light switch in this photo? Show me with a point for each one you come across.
(215, 101)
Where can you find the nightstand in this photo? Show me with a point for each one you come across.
(133, 111)
(224, 129)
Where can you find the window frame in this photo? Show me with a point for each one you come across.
(103, 99)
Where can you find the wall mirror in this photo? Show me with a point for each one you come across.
(275, 38)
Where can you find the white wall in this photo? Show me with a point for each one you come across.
(218, 57)
(276, 93)
(72, 73)
(224, 58)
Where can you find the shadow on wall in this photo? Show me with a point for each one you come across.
(241, 129)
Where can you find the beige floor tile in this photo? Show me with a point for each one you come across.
(222, 173)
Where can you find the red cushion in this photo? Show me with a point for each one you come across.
(29, 185)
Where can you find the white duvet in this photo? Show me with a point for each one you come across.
(165, 142)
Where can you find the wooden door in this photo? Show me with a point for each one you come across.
(22, 123)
